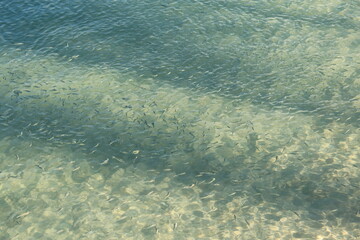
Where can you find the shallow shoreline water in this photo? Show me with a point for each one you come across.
(214, 120)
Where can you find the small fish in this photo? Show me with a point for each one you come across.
(76, 169)
(212, 180)
(180, 174)
(37, 165)
(23, 215)
(105, 162)
(296, 213)
(136, 152)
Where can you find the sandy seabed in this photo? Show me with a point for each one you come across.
(93, 153)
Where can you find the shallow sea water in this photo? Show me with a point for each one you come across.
(186, 119)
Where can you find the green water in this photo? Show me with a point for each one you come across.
(179, 120)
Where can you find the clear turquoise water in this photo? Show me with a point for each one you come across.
(179, 119)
